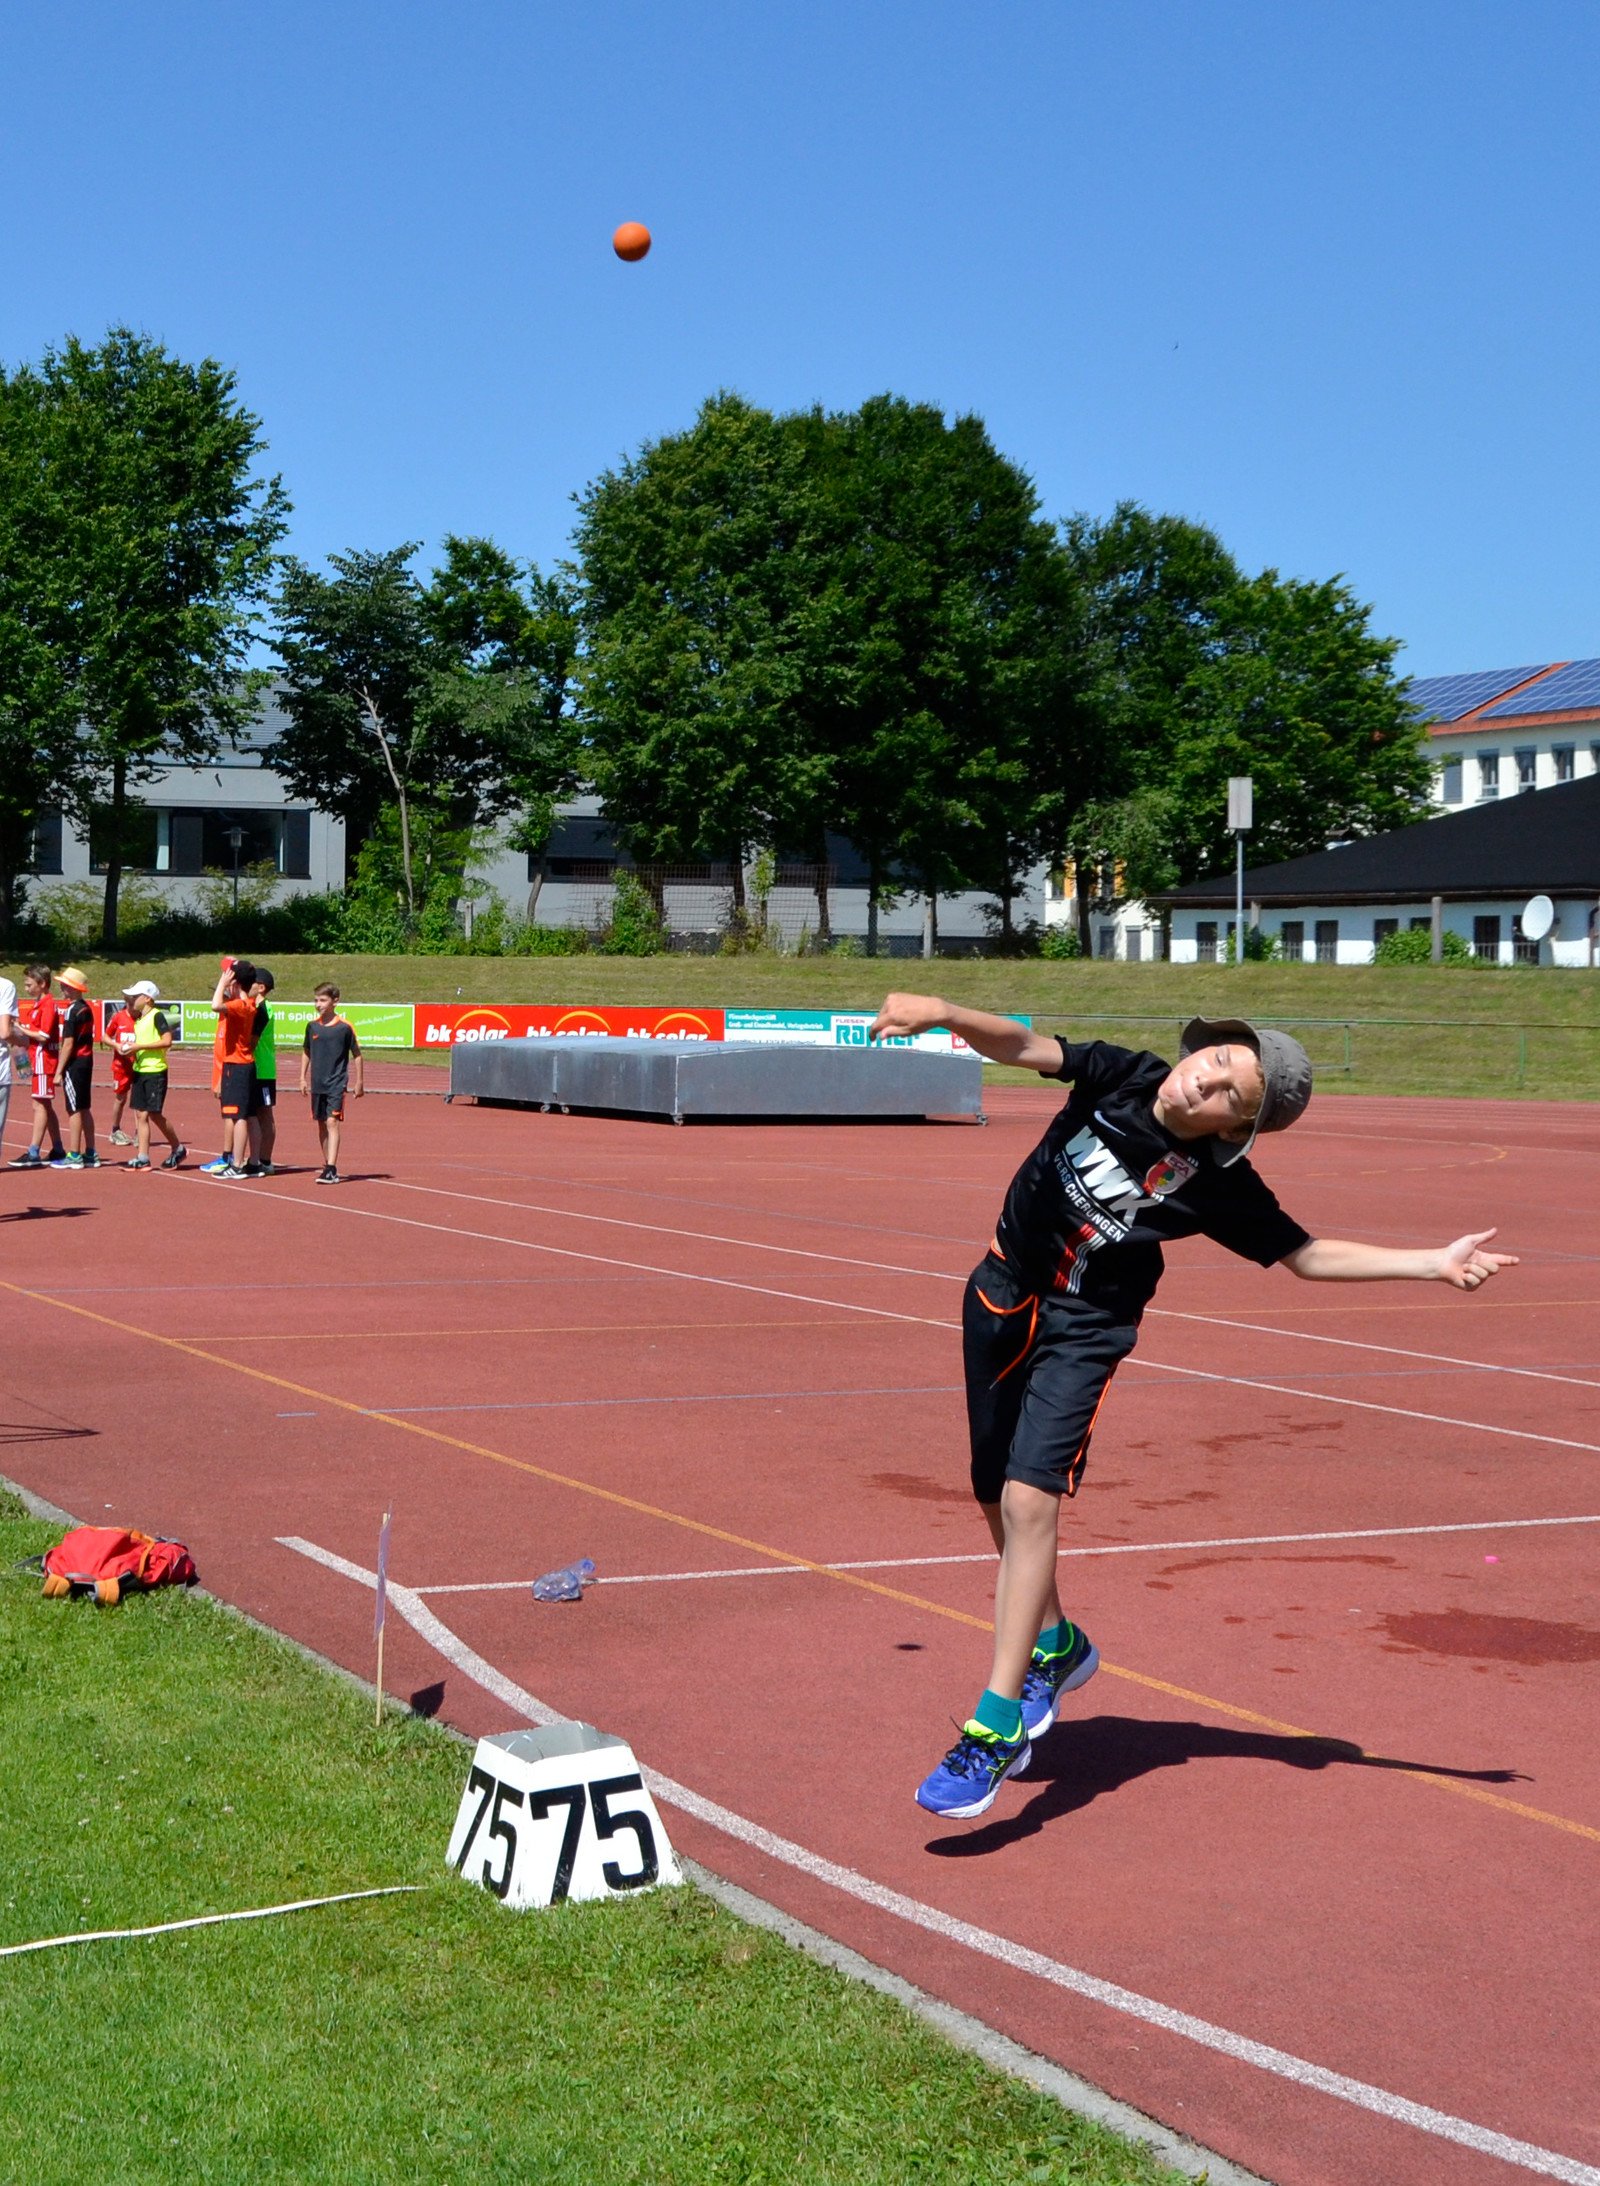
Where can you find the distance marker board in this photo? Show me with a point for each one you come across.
(559, 1813)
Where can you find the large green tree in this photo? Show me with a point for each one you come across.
(696, 565)
(1199, 673)
(38, 711)
(444, 702)
(827, 622)
(159, 532)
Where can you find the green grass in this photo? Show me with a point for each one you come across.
(167, 1759)
(1405, 1029)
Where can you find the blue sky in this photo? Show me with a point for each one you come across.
(1322, 277)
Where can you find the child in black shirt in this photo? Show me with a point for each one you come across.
(330, 1061)
(1142, 1153)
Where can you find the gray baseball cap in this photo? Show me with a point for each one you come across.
(1285, 1070)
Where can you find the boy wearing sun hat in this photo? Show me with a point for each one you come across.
(1142, 1153)
(75, 1073)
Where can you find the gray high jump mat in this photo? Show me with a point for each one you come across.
(678, 1080)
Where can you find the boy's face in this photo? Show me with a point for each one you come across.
(1213, 1093)
(33, 987)
(326, 1006)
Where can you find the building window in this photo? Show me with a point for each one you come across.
(1450, 782)
(43, 854)
(1594, 758)
(137, 847)
(1565, 757)
(1135, 944)
(1382, 928)
(185, 844)
(1105, 941)
(1527, 768)
(1205, 940)
(1523, 950)
(1292, 940)
(1421, 925)
(1327, 941)
(1486, 938)
(1488, 774)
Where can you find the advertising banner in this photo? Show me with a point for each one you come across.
(443, 1024)
(829, 1028)
(377, 1024)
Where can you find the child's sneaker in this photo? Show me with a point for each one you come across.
(30, 1160)
(219, 1167)
(253, 1168)
(966, 1780)
(176, 1158)
(1049, 1676)
(139, 1161)
(330, 1175)
(91, 1160)
(66, 1161)
(121, 1138)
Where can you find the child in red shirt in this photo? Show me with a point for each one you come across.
(119, 1027)
(39, 1022)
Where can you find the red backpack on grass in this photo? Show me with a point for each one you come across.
(108, 1562)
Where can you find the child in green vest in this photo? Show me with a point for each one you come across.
(264, 1101)
(145, 1050)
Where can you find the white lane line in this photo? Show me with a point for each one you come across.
(1388, 1350)
(987, 1556)
(941, 1275)
(204, 1920)
(1363, 1404)
(1399, 2109)
(916, 1320)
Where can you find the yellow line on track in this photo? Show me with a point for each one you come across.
(193, 1350)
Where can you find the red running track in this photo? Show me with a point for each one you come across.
(704, 1355)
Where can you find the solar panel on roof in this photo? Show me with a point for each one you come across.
(1447, 698)
(1570, 689)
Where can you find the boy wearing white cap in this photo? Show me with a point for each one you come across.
(145, 1049)
(1142, 1153)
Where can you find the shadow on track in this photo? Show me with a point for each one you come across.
(1077, 1763)
(42, 1214)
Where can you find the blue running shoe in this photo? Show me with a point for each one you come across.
(219, 1167)
(1049, 1676)
(970, 1774)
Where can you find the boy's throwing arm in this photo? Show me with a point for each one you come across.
(1465, 1265)
(997, 1039)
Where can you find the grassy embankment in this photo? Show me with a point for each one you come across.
(1413, 1030)
(166, 1759)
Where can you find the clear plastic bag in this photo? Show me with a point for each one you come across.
(567, 1584)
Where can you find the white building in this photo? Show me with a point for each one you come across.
(1500, 731)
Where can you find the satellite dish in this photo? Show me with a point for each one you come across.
(1538, 916)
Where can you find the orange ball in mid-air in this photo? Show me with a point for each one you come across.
(631, 241)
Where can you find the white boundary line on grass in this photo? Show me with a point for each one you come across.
(987, 1556)
(204, 1920)
(1399, 2109)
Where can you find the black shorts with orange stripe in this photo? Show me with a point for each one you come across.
(1037, 1371)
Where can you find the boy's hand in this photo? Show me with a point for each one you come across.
(1466, 1266)
(904, 1015)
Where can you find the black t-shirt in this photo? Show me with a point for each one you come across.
(1090, 1207)
(330, 1047)
(77, 1025)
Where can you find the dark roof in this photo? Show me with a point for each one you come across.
(1545, 842)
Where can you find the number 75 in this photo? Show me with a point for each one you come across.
(495, 1798)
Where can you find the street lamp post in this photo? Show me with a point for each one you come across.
(1240, 819)
(235, 837)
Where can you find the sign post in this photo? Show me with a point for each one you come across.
(383, 1603)
(1240, 819)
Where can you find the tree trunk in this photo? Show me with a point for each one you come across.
(1080, 882)
(119, 812)
(536, 885)
(824, 912)
(872, 907)
(930, 921)
(740, 901)
(376, 719)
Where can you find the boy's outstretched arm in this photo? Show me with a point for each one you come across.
(1465, 1265)
(999, 1039)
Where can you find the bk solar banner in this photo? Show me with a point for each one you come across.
(443, 1025)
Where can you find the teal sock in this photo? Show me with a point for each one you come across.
(1055, 1640)
(1002, 1716)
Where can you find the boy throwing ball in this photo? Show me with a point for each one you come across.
(1142, 1153)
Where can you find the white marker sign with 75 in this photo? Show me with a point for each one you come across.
(559, 1813)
